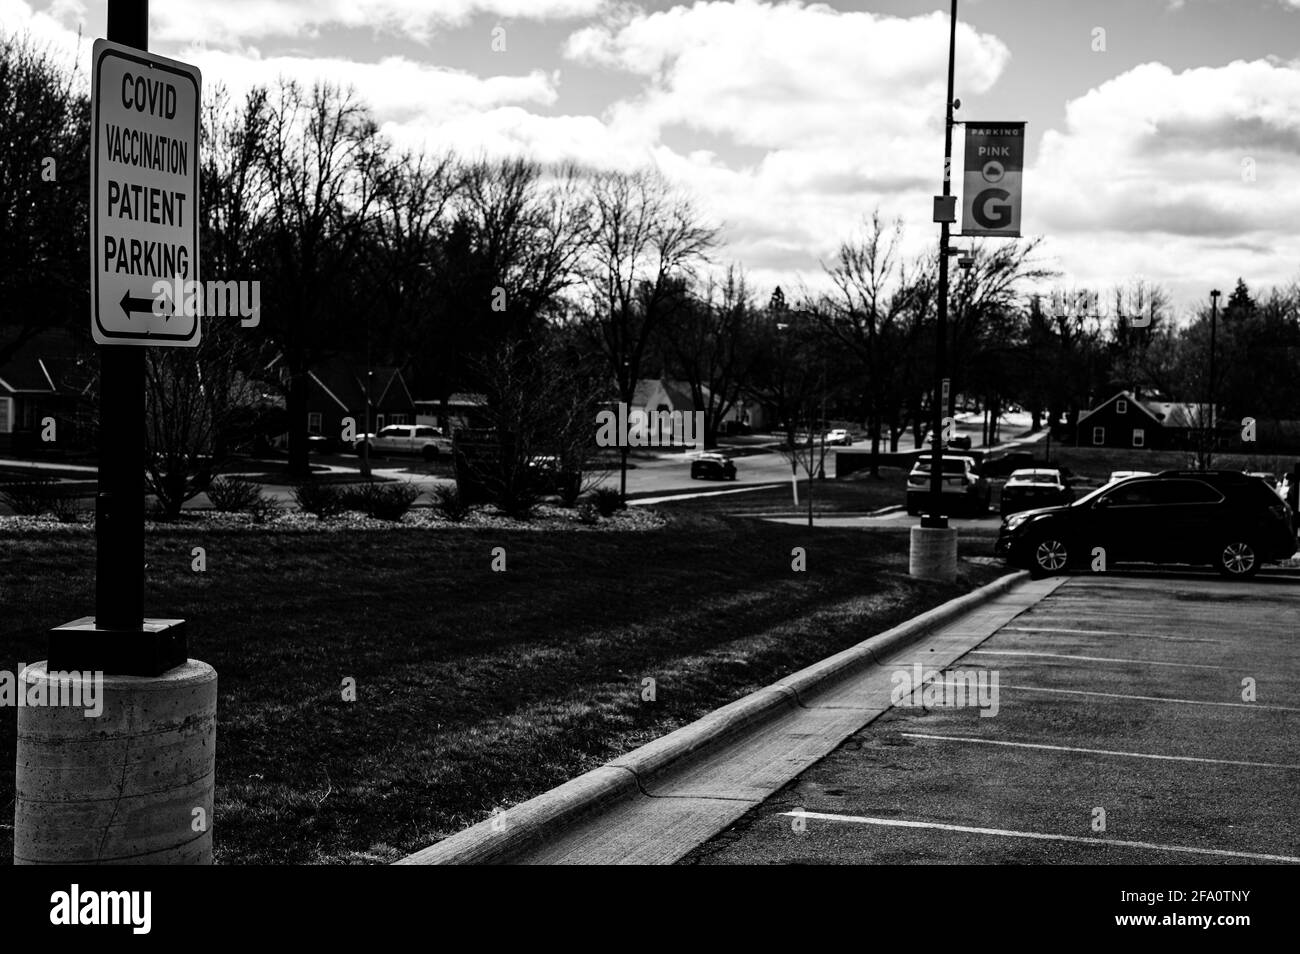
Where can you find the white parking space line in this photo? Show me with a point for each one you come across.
(696, 494)
(1129, 755)
(1105, 632)
(1039, 836)
(1143, 662)
(1188, 702)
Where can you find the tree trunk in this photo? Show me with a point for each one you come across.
(874, 423)
(296, 408)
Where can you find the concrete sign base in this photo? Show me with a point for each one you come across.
(933, 553)
(116, 769)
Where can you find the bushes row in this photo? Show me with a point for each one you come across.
(392, 501)
(240, 495)
(37, 496)
(383, 501)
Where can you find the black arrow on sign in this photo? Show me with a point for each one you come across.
(130, 304)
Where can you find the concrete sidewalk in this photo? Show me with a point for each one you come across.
(654, 805)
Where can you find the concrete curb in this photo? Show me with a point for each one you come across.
(505, 836)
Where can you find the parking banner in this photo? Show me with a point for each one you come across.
(991, 197)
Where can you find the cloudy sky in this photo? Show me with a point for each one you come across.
(1163, 135)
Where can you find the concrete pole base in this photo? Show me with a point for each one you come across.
(131, 785)
(933, 554)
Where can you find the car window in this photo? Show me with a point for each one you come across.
(390, 432)
(425, 432)
(1137, 494)
(1190, 491)
(949, 466)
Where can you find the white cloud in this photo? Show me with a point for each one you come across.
(846, 108)
(49, 30)
(229, 21)
(396, 88)
(778, 75)
(1149, 170)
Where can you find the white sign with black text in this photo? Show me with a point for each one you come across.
(144, 181)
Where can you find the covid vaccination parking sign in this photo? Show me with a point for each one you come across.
(995, 159)
(144, 180)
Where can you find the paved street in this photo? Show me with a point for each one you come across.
(664, 474)
(1124, 700)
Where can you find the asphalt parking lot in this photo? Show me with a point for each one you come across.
(1140, 719)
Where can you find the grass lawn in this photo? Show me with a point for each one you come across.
(475, 689)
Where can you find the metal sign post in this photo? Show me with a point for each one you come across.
(153, 739)
(144, 230)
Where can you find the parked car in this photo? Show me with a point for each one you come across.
(420, 439)
(1268, 478)
(713, 466)
(548, 476)
(1031, 489)
(1004, 465)
(1224, 519)
(963, 488)
(838, 435)
(1117, 475)
(959, 441)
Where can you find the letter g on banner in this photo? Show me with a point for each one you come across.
(992, 209)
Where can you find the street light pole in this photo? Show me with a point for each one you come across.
(1214, 320)
(934, 518)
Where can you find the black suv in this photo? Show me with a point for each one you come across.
(1227, 519)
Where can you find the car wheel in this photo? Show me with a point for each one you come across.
(1048, 556)
(430, 453)
(1237, 559)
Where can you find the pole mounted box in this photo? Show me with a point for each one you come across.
(144, 198)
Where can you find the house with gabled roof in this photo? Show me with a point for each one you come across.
(1132, 419)
(667, 394)
(39, 383)
(337, 389)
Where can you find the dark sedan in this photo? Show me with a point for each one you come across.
(1034, 488)
(1225, 519)
(714, 467)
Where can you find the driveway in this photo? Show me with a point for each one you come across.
(1140, 719)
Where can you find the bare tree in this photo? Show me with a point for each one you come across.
(873, 312)
(541, 409)
(646, 238)
(234, 211)
(324, 164)
(512, 251)
(44, 163)
(710, 339)
(785, 377)
(189, 395)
